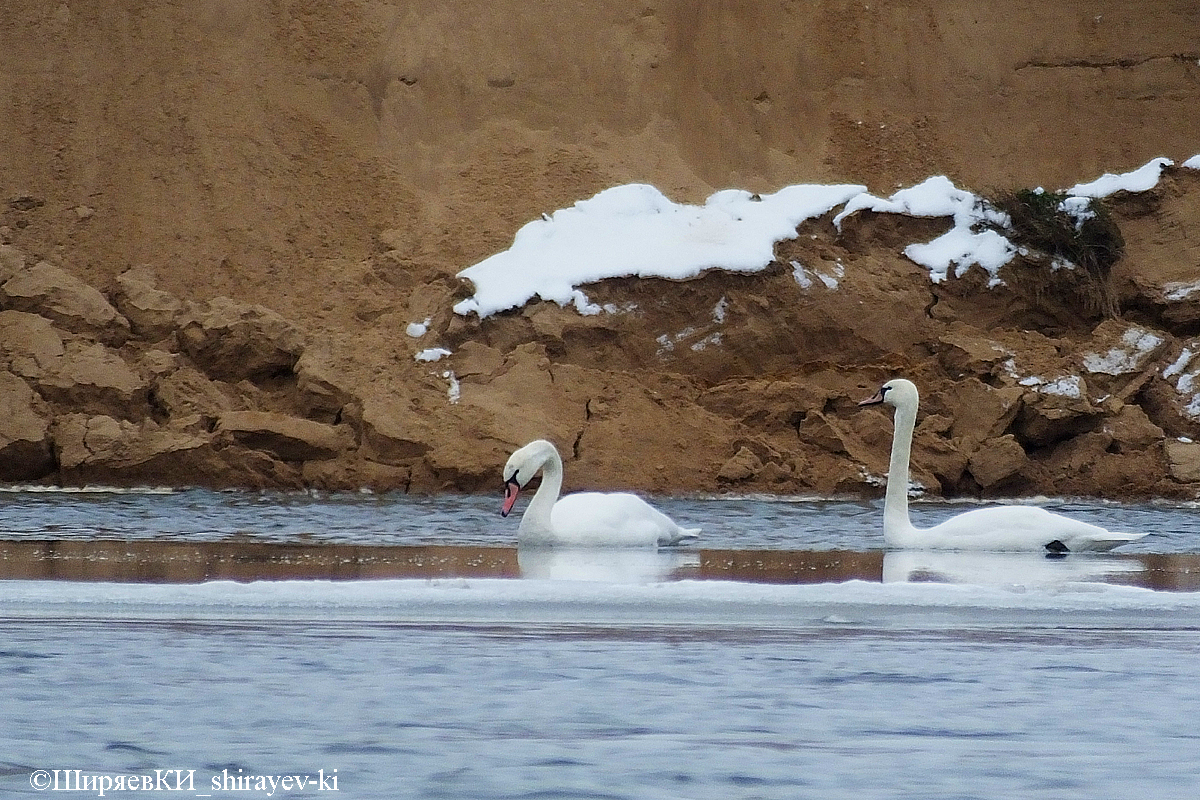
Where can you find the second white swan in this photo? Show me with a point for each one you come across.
(997, 528)
(583, 519)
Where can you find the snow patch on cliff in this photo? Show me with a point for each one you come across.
(636, 231)
(1068, 386)
(1178, 291)
(1136, 344)
(453, 387)
(1142, 179)
(830, 281)
(1187, 381)
(962, 246)
(432, 354)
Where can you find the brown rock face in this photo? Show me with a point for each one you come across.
(64, 299)
(1183, 461)
(742, 467)
(29, 344)
(95, 377)
(12, 261)
(996, 460)
(186, 391)
(299, 187)
(233, 340)
(151, 312)
(25, 445)
(285, 437)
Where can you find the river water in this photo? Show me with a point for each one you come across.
(392, 647)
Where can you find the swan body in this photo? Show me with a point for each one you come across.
(995, 528)
(584, 519)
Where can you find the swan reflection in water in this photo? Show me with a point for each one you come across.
(607, 564)
(645, 565)
(1002, 569)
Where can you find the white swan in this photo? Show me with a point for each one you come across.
(585, 519)
(997, 528)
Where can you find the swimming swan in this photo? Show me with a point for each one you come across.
(584, 519)
(997, 528)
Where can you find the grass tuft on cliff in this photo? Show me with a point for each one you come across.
(1077, 236)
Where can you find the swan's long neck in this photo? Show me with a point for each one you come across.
(535, 522)
(895, 505)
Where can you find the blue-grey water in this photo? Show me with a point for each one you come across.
(387, 519)
(784, 656)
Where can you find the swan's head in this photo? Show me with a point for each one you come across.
(520, 469)
(895, 393)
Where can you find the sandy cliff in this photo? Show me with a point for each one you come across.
(220, 219)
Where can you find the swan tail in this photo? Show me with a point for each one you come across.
(1120, 536)
(1113, 539)
(683, 536)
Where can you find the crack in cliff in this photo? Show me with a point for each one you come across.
(1118, 63)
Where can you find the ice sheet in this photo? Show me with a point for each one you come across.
(681, 603)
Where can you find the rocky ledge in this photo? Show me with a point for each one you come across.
(139, 387)
(727, 382)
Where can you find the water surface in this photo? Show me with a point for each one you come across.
(729, 523)
(406, 646)
(191, 536)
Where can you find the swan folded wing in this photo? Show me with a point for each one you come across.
(1003, 528)
(613, 520)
